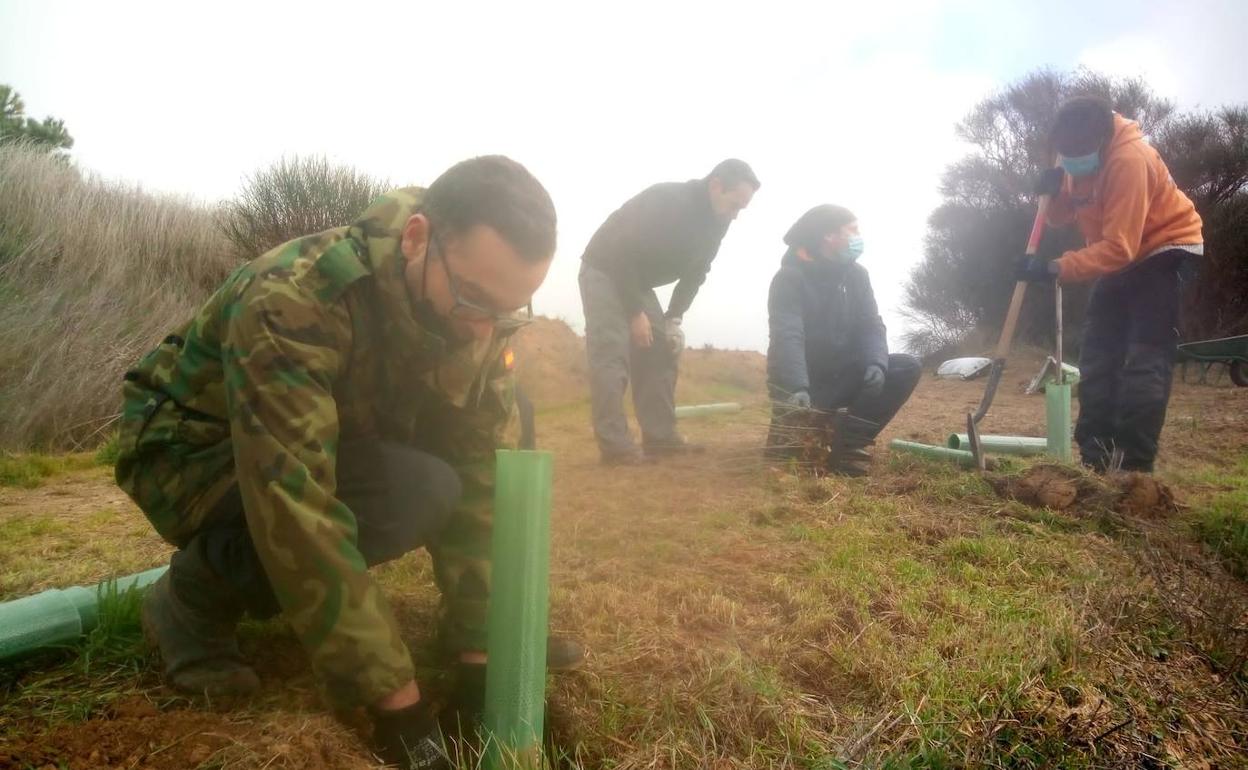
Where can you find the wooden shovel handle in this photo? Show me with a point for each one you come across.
(1020, 288)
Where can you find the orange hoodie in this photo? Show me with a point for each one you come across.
(1128, 210)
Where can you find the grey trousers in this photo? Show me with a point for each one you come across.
(614, 361)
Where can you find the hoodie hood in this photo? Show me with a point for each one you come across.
(1125, 133)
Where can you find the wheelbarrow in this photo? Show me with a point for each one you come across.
(1232, 351)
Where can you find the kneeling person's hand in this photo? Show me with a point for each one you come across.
(873, 380)
(799, 400)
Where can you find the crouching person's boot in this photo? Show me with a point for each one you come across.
(851, 437)
(190, 616)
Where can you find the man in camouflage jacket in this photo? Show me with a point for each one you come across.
(335, 404)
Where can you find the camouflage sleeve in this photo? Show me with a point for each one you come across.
(461, 557)
(281, 352)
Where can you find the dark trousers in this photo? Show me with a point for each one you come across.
(842, 389)
(1127, 361)
(401, 498)
(614, 361)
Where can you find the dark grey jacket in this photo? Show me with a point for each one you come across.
(824, 323)
(665, 233)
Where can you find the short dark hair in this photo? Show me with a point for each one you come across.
(495, 191)
(1082, 125)
(732, 172)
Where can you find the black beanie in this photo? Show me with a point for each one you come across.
(810, 229)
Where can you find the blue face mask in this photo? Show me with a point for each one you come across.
(1084, 165)
(853, 248)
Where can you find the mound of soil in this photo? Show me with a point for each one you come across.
(1060, 487)
(136, 736)
(550, 363)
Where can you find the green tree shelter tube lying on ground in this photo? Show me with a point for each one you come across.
(1002, 445)
(704, 410)
(1057, 419)
(60, 615)
(515, 680)
(934, 452)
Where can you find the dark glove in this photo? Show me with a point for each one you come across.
(873, 381)
(409, 738)
(1050, 181)
(799, 400)
(1033, 269)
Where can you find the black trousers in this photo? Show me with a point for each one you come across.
(401, 498)
(842, 388)
(1127, 361)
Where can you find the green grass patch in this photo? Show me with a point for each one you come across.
(73, 682)
(1222, 522)
(30, 470)
(1223, 526)
(108, 452)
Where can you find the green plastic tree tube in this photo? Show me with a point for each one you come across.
(60, 615)
(935, 452)
(703, 410)
(515, 677)
(1004, 445)
(1057, 420)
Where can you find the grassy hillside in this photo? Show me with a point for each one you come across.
(92, 274)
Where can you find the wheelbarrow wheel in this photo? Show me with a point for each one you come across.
(1239, 374)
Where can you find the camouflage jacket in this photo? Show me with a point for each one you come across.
(309, 344)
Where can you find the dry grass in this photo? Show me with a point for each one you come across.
(92, 274)
(740, 617)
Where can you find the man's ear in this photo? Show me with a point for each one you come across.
(415, 239)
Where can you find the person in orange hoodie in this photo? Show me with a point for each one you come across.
(1142, 235)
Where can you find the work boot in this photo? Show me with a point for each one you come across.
(673, 447)
(850, 439)
(198, 648)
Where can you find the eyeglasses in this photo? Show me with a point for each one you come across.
(462, 309)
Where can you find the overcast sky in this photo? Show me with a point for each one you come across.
(848, 103)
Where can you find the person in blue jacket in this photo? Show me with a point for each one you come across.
(829, 349)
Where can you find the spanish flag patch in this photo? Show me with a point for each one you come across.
(509, 359)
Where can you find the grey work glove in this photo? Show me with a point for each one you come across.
(799, 400)
(873, 381)
(675, 336)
